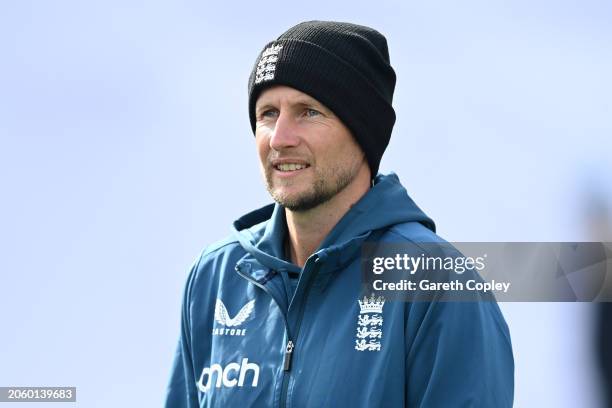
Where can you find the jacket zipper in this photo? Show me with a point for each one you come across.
(290, 349)
(288, 354)
(290, 345)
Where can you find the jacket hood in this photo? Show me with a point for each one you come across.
(261, 232)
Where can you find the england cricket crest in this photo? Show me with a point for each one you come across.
(369, 323)
(267, 64)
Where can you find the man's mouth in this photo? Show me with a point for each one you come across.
(287, 167)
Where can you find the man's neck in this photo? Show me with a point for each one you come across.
(307, 229)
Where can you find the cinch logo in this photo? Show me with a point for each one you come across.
(223, 318)
(233, 375)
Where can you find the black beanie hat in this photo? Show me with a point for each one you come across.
(345, 67)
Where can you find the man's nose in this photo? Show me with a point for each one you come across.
(285, 132)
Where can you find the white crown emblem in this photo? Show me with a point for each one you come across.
(267, 64)
(371, 304)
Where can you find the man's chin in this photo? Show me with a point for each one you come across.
(300, 202)
(288, 199)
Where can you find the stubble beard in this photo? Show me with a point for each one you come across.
(325, 186)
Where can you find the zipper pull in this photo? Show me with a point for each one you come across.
(288, 354)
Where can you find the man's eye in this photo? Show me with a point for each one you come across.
(312, 112)
(270, 113)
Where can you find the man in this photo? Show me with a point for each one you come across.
(275, 315)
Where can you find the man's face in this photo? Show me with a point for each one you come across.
(307, 154)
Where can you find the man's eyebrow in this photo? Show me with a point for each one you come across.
(260, 107)
(308, 102)
(297, 102)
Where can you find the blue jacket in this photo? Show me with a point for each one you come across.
(245, 342)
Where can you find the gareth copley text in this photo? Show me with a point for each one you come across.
(456, 285)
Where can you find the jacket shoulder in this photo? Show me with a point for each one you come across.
(412, 231)
(218, 255)
(415, 234)
(218, 247)
(214, 262)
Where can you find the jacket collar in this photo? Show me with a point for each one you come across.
(262, 232)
